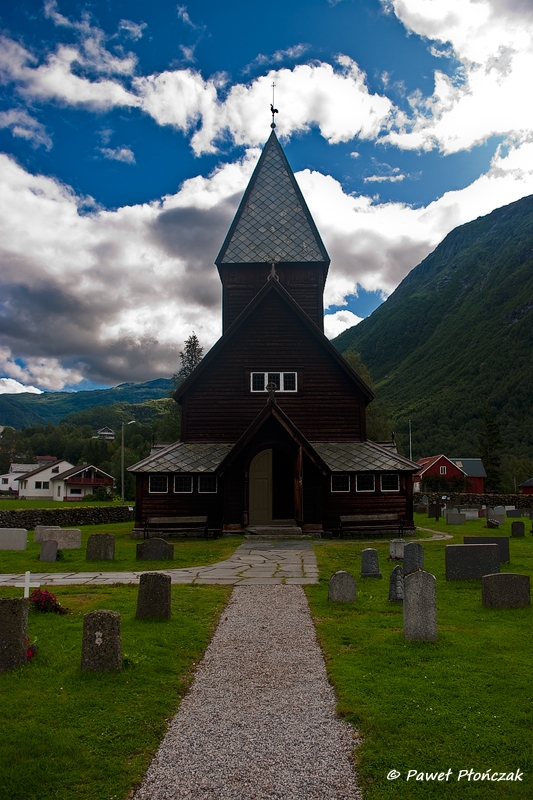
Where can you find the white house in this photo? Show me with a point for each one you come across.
(37, 483)
(76, 482)
(9, 480)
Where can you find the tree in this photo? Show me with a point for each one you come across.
(190, 358)
(490, 447)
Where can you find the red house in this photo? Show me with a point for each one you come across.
(442, 468)
(527, 487)
(273, 417)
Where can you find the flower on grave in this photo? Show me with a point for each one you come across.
(42, 600)
(31, 649)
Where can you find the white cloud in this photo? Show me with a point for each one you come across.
(9, 386)
(490, 94)
(25, 127)
(289, 54)
(119, 154)
(336, 323)
(132, 29)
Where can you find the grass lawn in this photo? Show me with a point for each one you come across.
(18, 503)
(462, 703)
(187, 553)
(70, 735)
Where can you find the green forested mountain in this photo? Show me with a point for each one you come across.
(457, 336)
(21, 410)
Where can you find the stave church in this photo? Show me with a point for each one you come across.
(273, 418)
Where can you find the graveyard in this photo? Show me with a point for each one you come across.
(460, 702)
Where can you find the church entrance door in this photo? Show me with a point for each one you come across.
(260, 489)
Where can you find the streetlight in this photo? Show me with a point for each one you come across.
(122, 463)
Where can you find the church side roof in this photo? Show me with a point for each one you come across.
(362, 457)
(272, 222)
(184, 457)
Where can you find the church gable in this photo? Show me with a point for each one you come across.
(274, 339)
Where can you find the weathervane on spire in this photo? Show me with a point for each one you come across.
(272, 109)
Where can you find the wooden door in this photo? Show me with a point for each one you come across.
(260, 511)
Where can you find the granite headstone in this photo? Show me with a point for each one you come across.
(370, 563)
(154, 597)
(396, 585)
(413, 557)
(471, 561)
(342, 587)
(518, 528)
(101, 646)
(100, 547)
(155, 550)
(48, 551)
(420, 607)
(13, 538)
(505, 590)
(13, 632)
(501, 541)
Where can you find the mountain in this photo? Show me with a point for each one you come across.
(457, 334)
(21, 410)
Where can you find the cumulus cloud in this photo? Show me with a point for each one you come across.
(119, 154)
(10, 386)
(336, 323)
(26, 127)
(289, 54)
(489, 94)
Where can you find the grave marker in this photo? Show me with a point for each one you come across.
(27, 585)
(48, 551)
(13, 538)
(370, 563)
(501, 541)
(153, 599)
(420, 607)
(101, 646)
(100, 547)
(413, 557)
(396, 548)
(396, 585)
(342, 588)
(155, 550)
(41, 529)
(466, 562)
(13, 633)
(518, 529)
(505, 590)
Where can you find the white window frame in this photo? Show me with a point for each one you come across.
(443, 470)
(341, 475)
(366, 474)
(205, 475)
(397, 478)
(281, 381)
(184, 491)
(157, 491)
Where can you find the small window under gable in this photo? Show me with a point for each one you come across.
(182, 484)
(207, 483)
(443, 470)
(158, 484)
(55, 470)
(390, 482)
(284, 381)
(365, 482)
(340, 483)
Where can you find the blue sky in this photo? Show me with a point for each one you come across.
(128, 132)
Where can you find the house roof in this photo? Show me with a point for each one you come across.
(472, 466)
(42, 468)
(21, 468)
(70, 473)
(527, 483)
(184, 457)
(272, 286)
(428, 462)
(362, 457)
(272, 223)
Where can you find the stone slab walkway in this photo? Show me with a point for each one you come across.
(254, 562)
(259, 721)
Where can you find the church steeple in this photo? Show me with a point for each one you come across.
(273, 226)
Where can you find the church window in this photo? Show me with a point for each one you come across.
(207, 484)
(390, 482)
(284, 381)
(183, 484)
(158, 484)
(365, 482)
(340, 483)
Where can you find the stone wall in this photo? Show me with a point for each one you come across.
(65, 517)
(468, 499)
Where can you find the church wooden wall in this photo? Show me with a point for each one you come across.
(336, 504)
(170, 504)
(219, 406)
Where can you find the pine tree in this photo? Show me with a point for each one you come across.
(490, 446)
(190, 358)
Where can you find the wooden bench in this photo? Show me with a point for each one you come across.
(178, 526)
(371, 525)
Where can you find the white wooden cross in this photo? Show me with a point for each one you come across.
(27, 585)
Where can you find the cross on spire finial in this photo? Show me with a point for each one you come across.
(272, 109)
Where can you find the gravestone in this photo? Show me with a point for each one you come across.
(153, 599)
(465, 562)
(518, 528)
(370, 563)
(501, 541)
(396, 585)
(40, 529)
(100, 547)
(493, 523)
(420, 607)
(48, 551)
(396, 548)
(155, 550)
(505, 590)
(470, 513)
(413, 557)
(432, 510)
(13, 538)
(455, 518)
(66, 538)
(499, 511)
(514, 512)
(425, 499)
(13, 632)
(342, 587)
(101, 649)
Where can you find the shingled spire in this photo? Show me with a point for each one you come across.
(273, 233)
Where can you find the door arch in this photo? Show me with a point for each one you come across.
(260, 489)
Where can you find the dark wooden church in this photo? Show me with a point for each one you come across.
(273, 418)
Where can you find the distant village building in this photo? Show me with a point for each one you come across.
(105, 433)
(9, 480)
(273, 417)
(527, 487)
(439, 470)
(62, 481)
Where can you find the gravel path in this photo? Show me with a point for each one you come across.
(259, 721)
